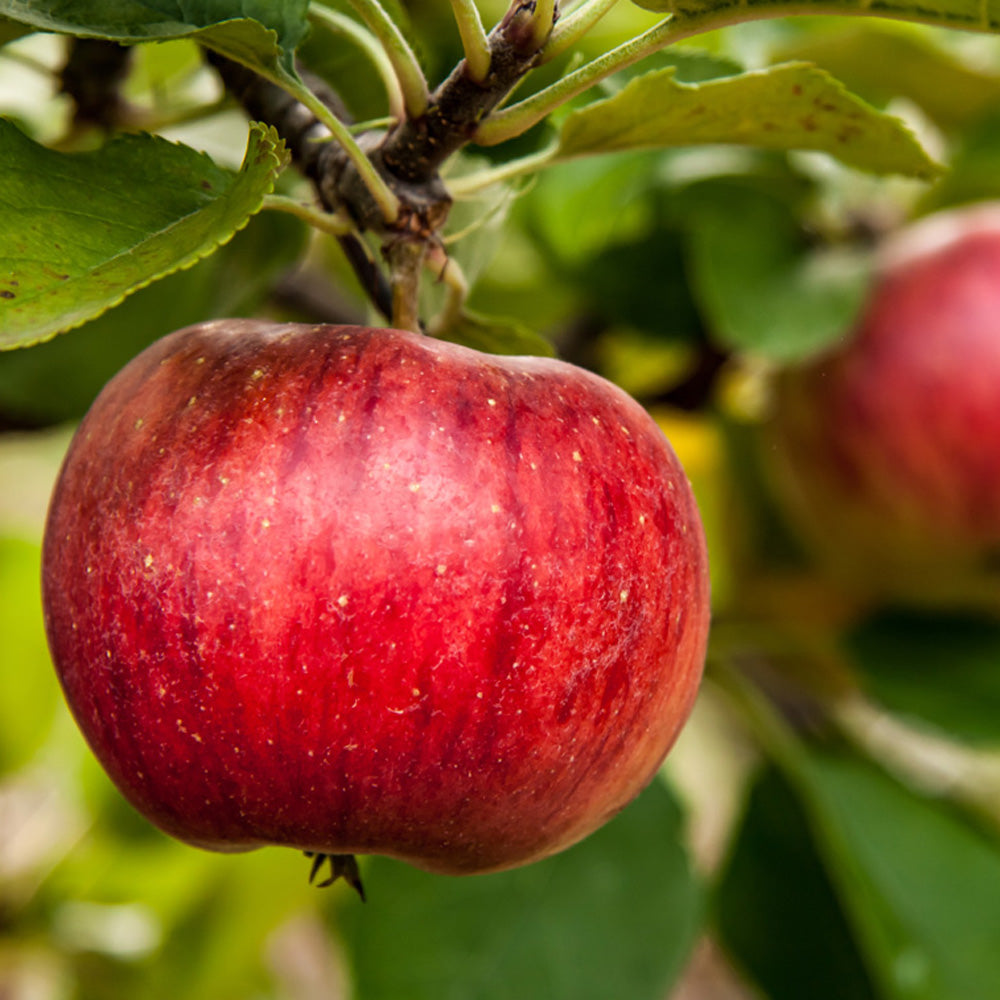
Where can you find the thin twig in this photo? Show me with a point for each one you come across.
(416, 149)
(333, 223)
(372, 278)
(382, 194)
(321, 162)
(468, 184)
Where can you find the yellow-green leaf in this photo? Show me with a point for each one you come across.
(791, 106)
(703, 15)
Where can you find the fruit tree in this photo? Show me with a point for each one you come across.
(540, 460)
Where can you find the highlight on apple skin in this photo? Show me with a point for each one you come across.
(355, 590)
(886, 452)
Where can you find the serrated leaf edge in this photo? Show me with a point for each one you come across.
(275, 149)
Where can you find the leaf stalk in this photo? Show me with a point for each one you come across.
(518, 118)
(571, 28)
(412, 82)
(475, 43)
(369, 44)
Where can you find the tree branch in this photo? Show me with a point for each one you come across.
(407, 159)
(322, 161)
(416, 149)
(92, 77)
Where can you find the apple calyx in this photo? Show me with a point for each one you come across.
(343, 866)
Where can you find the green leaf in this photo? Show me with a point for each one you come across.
(58, 380)
(497, 335)
(642, 283)
(257, 33)
(614, 916)
(79, 232)
(703, 15)
(944, 671)
(761, 289)
(920, 886)
(776, 911)
(884, 61)
(792, 106)
(577, 209)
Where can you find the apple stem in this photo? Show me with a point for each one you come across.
(92, 76)
(343, 866)
(406, 261)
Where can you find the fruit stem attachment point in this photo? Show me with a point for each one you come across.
(343, 866)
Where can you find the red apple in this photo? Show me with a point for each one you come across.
(888, 449)
(358, 591)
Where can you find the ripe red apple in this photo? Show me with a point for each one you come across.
(888, 449)
(358, 591)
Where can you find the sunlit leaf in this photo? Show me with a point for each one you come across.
(882, 61)
(791, 106)
(78, 233)
(703, 15)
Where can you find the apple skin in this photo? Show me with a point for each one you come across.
(356, 590)
(887, 451)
